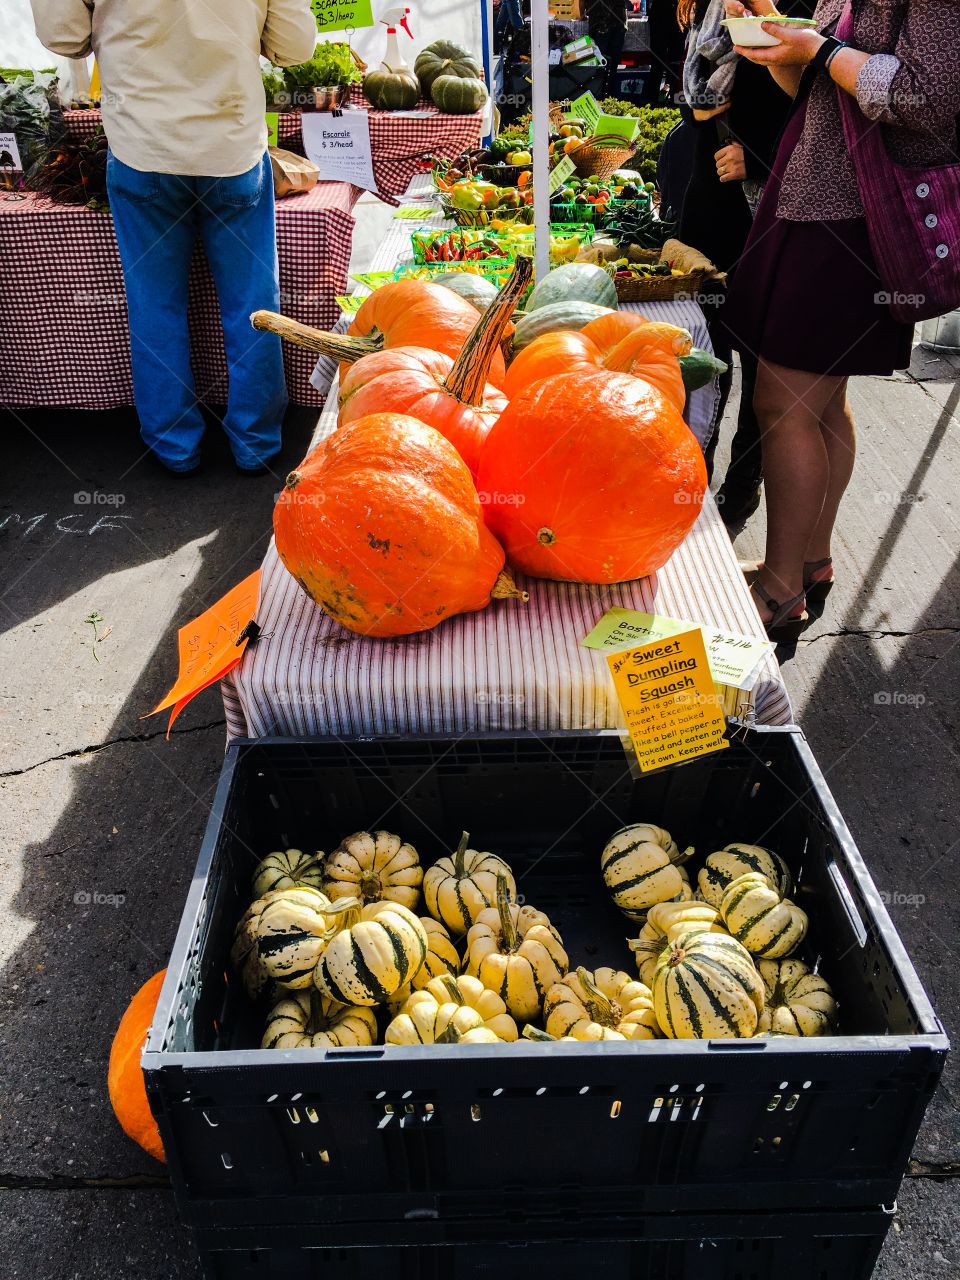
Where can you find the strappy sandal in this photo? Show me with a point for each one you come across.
(786, 623)
(818, 577)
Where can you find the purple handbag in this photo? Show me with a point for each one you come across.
(912, 215)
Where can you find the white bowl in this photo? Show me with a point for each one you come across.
(749, 33)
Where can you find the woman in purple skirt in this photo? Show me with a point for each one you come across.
(806, 299)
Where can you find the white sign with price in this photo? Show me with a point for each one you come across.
(339, 145)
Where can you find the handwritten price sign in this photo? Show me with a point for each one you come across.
(337, 15)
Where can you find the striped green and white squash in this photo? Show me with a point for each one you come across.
(665, 920)
(755, 914)
(381, 947)
(640, 867)
(516, 952)
(706, 987)
(733, 860)
(245, 952)
(450, 1008)
(457, 888)
(375, 866)
(798, 1002)
(604, 1005)
(292, 930)
(288, 869)
(310, 1020)
(442, 958)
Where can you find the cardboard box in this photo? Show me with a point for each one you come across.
(568, 10)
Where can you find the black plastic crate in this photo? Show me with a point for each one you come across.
(394, 1136)
(801, 1246)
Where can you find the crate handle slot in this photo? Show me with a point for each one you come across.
(846, 897)
(736, 1046)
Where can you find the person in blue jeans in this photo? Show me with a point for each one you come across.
(183, 109)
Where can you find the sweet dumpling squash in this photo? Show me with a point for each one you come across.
(641, 866)
(707, 987)
(309, 1020)
(380, 947)
(605, 1005)
(375, 866)
(755, 913)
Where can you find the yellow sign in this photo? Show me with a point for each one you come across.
(672, 707)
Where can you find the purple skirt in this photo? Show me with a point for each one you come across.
(806, 295)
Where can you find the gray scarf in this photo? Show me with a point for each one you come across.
(710, 85)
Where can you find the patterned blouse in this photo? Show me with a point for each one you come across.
(911, 85)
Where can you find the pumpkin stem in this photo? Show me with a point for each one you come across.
(336, 345)
(344, 914)
(534, 1033)
(316, 1021)
(449, 1035)
(459, 870)
(546, 537)
(506, 589)
(468, 377)
(508, 930)
(601, 1003)
(449, 984)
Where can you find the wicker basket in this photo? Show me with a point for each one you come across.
(599, 157)
(659, 288)
(484, 217)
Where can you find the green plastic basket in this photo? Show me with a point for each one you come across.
(496, 273)
(423, 237)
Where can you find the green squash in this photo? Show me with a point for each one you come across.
(575, 282)
(477, 290)
(389, 90)
(456, 96)
(699, 367)
(444, 58)
(556, 315)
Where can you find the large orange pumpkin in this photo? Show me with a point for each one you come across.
(382, 526)
(403, 313)
(622, 341)
(606, 478)
(128, 1095)
(455, 398)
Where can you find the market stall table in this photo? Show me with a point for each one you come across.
(63, 318)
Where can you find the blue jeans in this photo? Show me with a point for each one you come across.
(158, 218)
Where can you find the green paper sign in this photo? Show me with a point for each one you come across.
(273, 129)
(561, 173)
(587, 108)
(337, 15)
(372, 279)
(350, 304)
(417, 211)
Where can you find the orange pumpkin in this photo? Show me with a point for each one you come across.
(622, 341)
(455, 398)
(414, 313)
(607, 478)
(128, 1095)
(403, 313)
(381, 525)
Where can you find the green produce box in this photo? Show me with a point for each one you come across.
(422, 239)
(495, 272)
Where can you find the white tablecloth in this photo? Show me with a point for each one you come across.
(509, 667)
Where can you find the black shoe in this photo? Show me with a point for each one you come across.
(262, 470)
(737, 507)
(160, 465)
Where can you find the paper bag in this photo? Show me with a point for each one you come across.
(291, 173)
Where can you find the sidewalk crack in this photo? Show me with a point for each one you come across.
(96, 747)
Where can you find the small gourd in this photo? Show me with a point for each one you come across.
(458, 887)
(756, 914)
(605, 1005)
(516, 952)
(442, 957)
(640, 866)
(664, 921)
(309, 1020)
(288, 869)
(798, 1002)
(456, 1007)
(733, 860)
(706, 987)
(375, 866)
(381, 947)
(291, 929)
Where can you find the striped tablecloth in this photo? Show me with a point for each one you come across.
(63, 310)
(509, 667)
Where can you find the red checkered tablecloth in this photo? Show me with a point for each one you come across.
(63, 316)
(398, 140)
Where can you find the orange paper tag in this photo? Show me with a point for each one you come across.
(210, 645)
